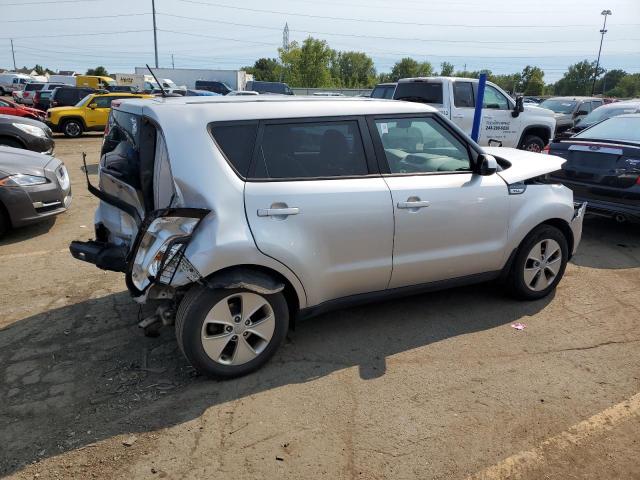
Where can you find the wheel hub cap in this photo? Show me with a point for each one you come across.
(238, 328)
(542, 265)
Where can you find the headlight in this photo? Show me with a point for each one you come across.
(20, 180)
(31, 129)
(163, 239)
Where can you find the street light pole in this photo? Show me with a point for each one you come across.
(155, 33)
(602, 32)
(13, 53)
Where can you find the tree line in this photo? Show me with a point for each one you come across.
(314, 64)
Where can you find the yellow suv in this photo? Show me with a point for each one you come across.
(89, 114)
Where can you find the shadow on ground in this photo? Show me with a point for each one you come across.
(85, 372)
(608, 244)
(17, 235)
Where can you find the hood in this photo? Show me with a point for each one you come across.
(563, 116)
(524, 165)
(534, 109)
(61, 109)
(19, 160)
(5, 119)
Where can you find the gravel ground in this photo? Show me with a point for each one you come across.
(437, 386)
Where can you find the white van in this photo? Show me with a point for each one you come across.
(505, 122)
(65, 79)
(10, 82)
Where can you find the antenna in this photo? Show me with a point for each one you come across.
(164, 94)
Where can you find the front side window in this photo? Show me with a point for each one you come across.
(421, 145)
(494, 99)
(308, 150)
(463, 95)
(84, 101)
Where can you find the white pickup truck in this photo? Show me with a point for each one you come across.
(505, 122)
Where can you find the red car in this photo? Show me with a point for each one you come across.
(8, 107)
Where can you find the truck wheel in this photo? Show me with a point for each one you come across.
(539, 264)
(533, 143)
(72, 128)
(229, 333)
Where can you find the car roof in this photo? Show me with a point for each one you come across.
(575, 97)
(635, 103)
(120, 94)
(254, 107)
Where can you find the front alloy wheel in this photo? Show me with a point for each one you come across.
(539, 263)
(229, 333)
(72, 129)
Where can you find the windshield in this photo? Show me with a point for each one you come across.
(624, 129)
(84, 100)
(601, 113)
(559, 106)
(426, 92)
(110, 82)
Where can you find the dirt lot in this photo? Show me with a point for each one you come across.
(435, 386)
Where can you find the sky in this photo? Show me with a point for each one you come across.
(501, 36)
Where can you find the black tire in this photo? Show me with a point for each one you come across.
(516, 283)
(11, 142)
(5, 223)
(192, 311)
(72, 128)
(532, 143)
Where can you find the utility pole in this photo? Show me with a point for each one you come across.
(173, 65)
(155, 33)
(602, 32)
(14, 57)
(285, 47)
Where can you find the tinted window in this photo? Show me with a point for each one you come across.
(421, 145)
(463, 94)
(33, 86)
(626, 129)
(384, 91)
(584, 107)
(426, 92)
(236, 142)
(494, 99)
(103, 102)
(302, 150)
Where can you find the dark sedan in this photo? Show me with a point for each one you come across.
(33, 187)
(19, 132)
(603, 166)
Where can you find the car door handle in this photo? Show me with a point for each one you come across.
(414, 204)
(458, 116)
(278, 212)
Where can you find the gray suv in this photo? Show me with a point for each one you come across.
(238, 215)
(568, 110)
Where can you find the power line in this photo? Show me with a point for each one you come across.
(72, 18)
(394, 22)
(217, 38)
(83, 34)
(377, 37)
(24, 4)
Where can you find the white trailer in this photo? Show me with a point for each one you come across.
(236, 79)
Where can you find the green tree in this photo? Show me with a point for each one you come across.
(265, 70)
(610, 80)
(308, 65)
(353, 70)
(98, 71)
(408, 67)
(446, 69)
(628, 86)
(578, 79)
(532, 80)
(508, 82)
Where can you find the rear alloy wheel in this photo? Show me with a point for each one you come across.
(533, 143)
(539, 264)
(229, 333)
(72, 128)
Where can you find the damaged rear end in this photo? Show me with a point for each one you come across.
(142, 227)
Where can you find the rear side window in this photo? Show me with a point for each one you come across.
(424, 92)
(463, 94)
(236, 142)
(33, 86)
(309, 150)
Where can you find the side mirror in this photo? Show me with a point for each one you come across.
(93, 106)
(519, 108)
(488, 165)
(581, 113)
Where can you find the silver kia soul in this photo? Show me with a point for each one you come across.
(238, 215)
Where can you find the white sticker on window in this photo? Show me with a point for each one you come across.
(384, 128)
